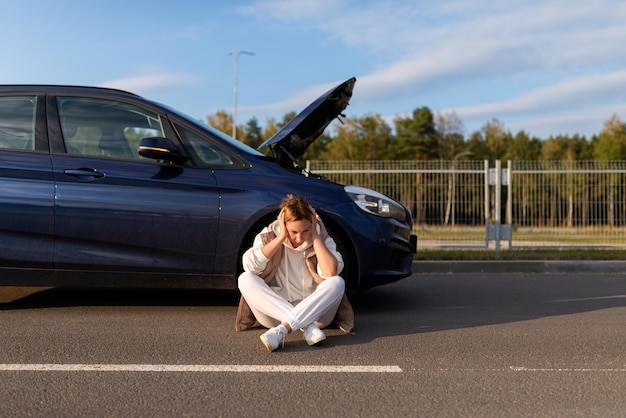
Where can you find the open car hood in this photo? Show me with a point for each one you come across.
(290, 142)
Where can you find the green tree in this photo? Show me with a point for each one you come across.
(611, 143)
(449, 134)
(366, 138)
(559, 152)
(565, 148)
(270, 128)
(252, 134)
(317, 149)
(523, 147)
(416, 136)
(497, 139)
(477, 147)
(221, 121)
(557, 148)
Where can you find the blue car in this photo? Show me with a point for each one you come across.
(103, 188)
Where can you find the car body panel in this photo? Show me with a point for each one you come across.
(137, 216)
(27, 220)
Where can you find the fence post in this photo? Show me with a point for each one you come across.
(509, 201)
(486, 203)
(498, 202)
(498, 231)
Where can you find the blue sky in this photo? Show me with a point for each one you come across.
(546, 67)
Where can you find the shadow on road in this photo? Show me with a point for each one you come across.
(30, 298)
(419, 304)
(431, 303)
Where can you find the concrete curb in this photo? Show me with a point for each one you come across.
(521, 266)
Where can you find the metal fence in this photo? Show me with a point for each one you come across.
(482, 204)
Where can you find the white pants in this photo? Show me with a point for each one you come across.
(271, 309)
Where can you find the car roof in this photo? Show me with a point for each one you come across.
(57, 88)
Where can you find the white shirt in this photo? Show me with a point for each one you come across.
(293, 280)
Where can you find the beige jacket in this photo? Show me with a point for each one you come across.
(344, 318)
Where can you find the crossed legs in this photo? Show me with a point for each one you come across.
(271, 309)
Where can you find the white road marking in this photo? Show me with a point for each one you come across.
(530, 369)
(255, 368)
(583, 369)
(208, 368)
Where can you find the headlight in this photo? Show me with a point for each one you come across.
(376, 203)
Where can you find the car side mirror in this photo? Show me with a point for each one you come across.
(158, 148)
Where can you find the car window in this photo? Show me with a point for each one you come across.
(216, 133)
(105, 128)
(17, 122)
(206, 152)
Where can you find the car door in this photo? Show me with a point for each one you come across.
(116, 210)
(26, 184)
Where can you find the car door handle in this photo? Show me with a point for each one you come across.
(85, 173)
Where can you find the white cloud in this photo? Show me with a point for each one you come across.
(478, 40)
(579, 92)
(544, 62)
(583, 122)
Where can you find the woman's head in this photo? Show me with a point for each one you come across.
(297, 215)
(295, 208)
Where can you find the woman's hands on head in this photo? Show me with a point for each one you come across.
(282, 226)
(314, 221)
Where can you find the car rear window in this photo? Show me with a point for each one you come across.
(17, 122)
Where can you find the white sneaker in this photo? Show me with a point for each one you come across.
(313, 335)
(273, 337)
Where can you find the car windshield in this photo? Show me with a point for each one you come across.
(226, 138)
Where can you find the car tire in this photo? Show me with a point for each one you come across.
(349, 272)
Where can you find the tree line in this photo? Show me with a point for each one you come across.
(427, 136)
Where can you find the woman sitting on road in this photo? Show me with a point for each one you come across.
(291, 278)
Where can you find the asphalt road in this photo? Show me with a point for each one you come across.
(467, 344)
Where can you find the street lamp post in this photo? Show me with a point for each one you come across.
(236, 54)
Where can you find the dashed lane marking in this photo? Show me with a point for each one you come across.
(581, 369)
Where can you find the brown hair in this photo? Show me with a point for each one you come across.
(295, 208)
